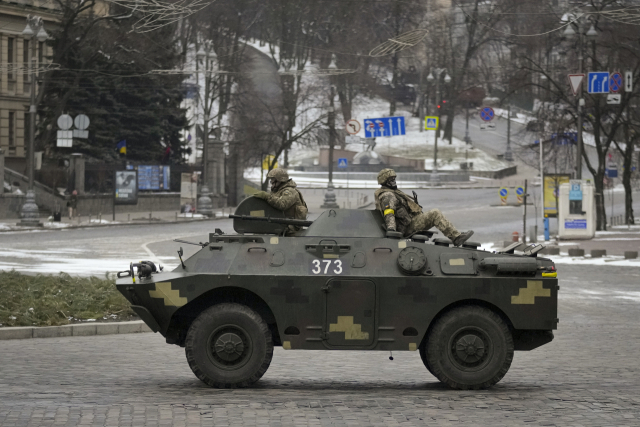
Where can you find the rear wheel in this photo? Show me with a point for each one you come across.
(469, 348)
(228, 346)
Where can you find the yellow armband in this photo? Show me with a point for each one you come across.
(389, 212)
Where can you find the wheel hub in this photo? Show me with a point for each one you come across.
(229, 347)
(469, 349)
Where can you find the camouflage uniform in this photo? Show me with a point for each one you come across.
(402, 213)
(286, 198)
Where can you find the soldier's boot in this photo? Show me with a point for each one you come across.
(463, 237)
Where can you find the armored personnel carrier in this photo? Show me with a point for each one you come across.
(342, 282)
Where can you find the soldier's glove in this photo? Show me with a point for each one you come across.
(261, 195)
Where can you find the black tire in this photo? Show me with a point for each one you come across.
(423, 356)
(229, 346)
(469, 348)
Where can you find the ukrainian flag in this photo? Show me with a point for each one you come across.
(122, 147)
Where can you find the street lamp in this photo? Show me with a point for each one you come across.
(29, 212)
(435, 179)
(592, 35)
(205, 204)
(329, 196)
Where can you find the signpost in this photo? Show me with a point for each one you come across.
(614, 98)
(574, 81)
(353, 127)
(598, 82)
(615, 82)
(384, 126)
(519, 194)
(504, 193)
(343, 163)
(487, 114)
(431, 122)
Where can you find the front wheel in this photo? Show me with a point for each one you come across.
(229, 346)
(469, 348)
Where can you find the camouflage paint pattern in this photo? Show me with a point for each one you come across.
(338, 285)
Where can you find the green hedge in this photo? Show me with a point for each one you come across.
(51, 300)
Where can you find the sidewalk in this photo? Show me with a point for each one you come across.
(121, 219)
(615, 241)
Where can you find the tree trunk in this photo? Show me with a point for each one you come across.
(601, 214)
(626, 182)
(394, 84)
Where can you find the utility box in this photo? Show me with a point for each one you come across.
(577, 210)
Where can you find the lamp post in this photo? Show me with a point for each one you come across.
(508, 155)
(33, 31)
(329, 195)
(467, 138)
(205, 204)
(592, 35)
(435, 179)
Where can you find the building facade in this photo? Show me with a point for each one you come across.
(15, 82)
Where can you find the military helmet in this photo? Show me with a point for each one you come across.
(385, 174)
(278, 174)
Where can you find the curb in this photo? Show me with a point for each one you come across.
(122, 224)
(76, 330)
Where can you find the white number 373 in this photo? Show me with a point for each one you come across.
(326, 266)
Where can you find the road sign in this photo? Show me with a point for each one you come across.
(628, 81)
(352, 139)
(431, 123)
(384, 126)
(575, 191)
(615, 82)
(65, 137)
(65, 122)
(487, 114)
(614, 98)
(343, 162)
(491, 125)
(575, 80)
(520, 194)
(353, 126)
(267, 160)
(598, 82)
(81, 121)
(504, 193)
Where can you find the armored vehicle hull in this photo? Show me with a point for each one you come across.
(345, 284)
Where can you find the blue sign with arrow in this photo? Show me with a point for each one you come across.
(343, 162)
(598, 82)
(384, 126)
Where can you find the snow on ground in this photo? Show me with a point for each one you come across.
(66, 260)
(320, 181)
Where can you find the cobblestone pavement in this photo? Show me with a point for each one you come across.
(589, 376)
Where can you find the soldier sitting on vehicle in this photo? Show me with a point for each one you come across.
(284, 196)
(402, 212)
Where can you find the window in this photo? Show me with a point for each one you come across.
(25, 54)
(10, 57)
(12, 129)
(27, 126)
(40, 52)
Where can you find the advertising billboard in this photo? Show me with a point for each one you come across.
(126, 187)
(154, 177)
(552, 184)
